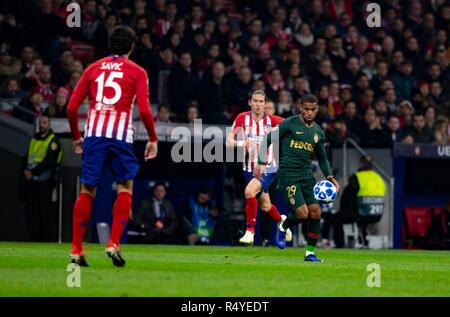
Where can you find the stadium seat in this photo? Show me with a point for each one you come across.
(418, 221)
(83, 52)
(351, 234)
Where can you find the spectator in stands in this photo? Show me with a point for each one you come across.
(381, 74)
(337, 132)
(163, 62)
(40, 169)
(192, 113)
(73, 80)
(199, 218)
(31, 76)
(362, 201)
(269, 107)
(406, 112)
(323, 77)
(372, 133)
(284, 104)
(30, 107)
(240, 89)
(10, 89)
(440, 131)
(301, 87)
(58, 107)
(144, 52)
(304, 36)
(26, 56)
(382, 111)
(362, 83)
(394, 131)
(437, 94)
(45, 85)
(156, 217)
(369, 67)
(350, 74)
(182, 83)
(163, 114)
(274, 83)
(418, 132)
(404, 81)
(212, 96)
(430, 117)
(350, 116)
(61, 70)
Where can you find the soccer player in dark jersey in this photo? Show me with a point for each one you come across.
(112, 84)
(299, 138)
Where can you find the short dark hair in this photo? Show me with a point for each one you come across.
(309, 98)
(159, 183)
(366, 162)
(121, 40)
(163, 105)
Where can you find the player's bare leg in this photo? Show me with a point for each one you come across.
(313, 232)
(121, 214)
(266, 206)
(81, 216)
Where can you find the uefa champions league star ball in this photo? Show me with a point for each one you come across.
(325, 192)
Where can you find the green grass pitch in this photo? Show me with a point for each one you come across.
(40, 270)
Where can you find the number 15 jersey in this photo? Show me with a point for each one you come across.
(112, 85)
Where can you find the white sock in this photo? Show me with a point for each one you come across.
(309, 252)
(280, 226)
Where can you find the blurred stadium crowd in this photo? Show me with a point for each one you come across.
(377, 85)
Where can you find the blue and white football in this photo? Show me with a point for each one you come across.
(325, 192)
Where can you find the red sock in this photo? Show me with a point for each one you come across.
(81, 216)
(121, 213)
(274, 214)
(251, 209)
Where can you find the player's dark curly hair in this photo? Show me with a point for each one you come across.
(121, 40)
(309, 98)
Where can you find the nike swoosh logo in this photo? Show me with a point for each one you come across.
(299, 132)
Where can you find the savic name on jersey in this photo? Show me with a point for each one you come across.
(112, 84)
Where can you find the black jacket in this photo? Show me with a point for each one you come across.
(182, 85)
(145, 217)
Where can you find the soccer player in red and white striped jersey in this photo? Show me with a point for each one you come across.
(112, 85)
(252, 126)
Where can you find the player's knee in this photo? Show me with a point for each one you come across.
(266, 207)
(301, 213)
(249, 192)
(88, 189)
(315, 212)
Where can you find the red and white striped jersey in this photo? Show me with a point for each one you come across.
(112, 85)
(255, 131)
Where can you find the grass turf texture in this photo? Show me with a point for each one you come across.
(28, 269)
